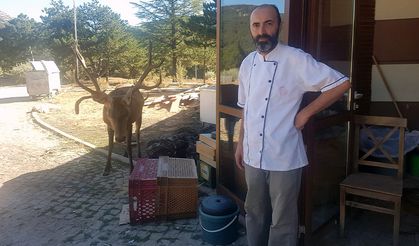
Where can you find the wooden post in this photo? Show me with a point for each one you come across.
(387, 87)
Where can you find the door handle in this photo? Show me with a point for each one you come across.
(358, 95)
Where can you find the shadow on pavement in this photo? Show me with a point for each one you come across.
(73, 204)
(15, 99)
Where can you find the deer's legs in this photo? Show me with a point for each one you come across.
(110, 148)
(137, 134)
(129, 149)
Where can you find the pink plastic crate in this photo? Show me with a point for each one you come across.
(143, 191)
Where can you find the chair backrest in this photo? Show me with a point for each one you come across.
(381, 141)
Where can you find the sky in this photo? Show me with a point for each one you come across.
(33, 8)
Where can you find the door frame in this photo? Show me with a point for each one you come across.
(361, 66)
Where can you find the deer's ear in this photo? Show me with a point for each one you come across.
(127, 97)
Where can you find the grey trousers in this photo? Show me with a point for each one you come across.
(272, 206)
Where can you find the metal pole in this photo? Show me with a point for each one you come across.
(75, 33)
(393, 99)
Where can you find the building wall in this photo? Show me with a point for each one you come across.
(396, 48)
(401, 9)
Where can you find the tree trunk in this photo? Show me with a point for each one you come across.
(205, 62)
(173, 42)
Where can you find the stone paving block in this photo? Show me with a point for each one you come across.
(155, 236)
(115, 212)
(172, 233)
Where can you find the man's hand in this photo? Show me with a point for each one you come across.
(238, 155)
(300, 120)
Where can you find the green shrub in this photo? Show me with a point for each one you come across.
(18, 72)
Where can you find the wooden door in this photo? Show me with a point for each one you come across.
(338, 33)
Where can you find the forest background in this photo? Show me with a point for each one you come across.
(181, 32)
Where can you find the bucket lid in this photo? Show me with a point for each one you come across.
(218, 205)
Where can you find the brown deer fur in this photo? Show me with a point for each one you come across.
(121, 108)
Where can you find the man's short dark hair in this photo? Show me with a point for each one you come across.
(270, 6)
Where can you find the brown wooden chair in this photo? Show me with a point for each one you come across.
(375, 187)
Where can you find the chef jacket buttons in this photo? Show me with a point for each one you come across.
(263, 116)
(269, 81)
(266, 99)
(260, 134)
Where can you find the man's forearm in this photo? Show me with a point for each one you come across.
(323, 101)
(241, 134)
(326, 99)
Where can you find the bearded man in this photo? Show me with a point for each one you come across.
(273, 80)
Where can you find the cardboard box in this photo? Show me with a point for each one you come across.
(207, 173)
(208, 160)
(205, 149)
(206, 138)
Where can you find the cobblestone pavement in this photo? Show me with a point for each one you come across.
(52, 191)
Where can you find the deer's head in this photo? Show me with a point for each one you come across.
(121, 106)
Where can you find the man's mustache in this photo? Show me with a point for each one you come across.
(265, 36)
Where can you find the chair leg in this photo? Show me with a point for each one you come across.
(396, 226)
(342, 210)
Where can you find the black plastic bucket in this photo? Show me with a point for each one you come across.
(218, 218)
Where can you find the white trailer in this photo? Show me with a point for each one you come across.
(44, 79)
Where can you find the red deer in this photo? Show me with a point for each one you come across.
(121, 107)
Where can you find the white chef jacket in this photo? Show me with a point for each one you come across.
(270, 93)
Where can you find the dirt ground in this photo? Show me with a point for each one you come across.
(88, 125)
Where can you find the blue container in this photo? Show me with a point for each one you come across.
(218, 217)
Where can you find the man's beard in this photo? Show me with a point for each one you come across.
(268, 45)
